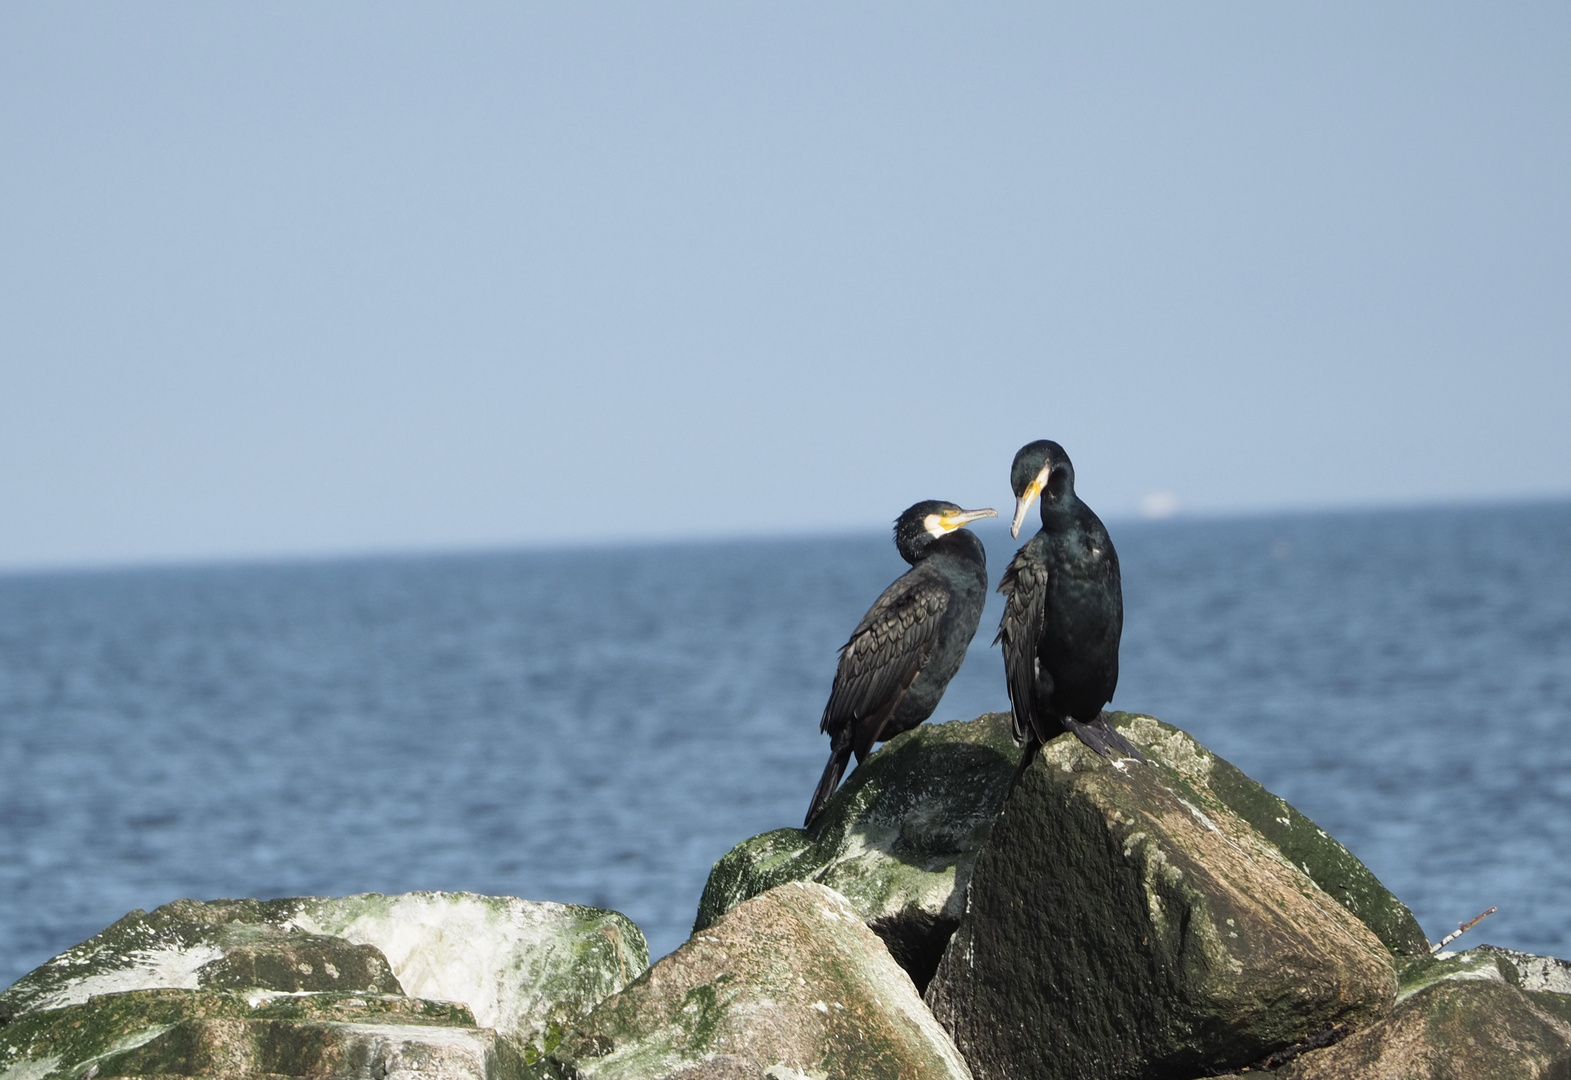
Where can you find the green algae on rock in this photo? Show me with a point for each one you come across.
(515, 970)
(1123, 921)
(788, 984)
(897, 840)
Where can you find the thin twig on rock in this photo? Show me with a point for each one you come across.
(1461, 929)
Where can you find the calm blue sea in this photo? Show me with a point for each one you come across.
(598, 726)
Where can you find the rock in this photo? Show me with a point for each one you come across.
(225, 944)
(209, 1033)
(788, 985)
(193, 982)
(1124, 921)
(897, 840)
(901, 835)
(524, 967)
(1486, 1014)
(1306, 845)
(296, 963)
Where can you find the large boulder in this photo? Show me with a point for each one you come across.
(897, 840)
(1124, 921)
(318, 981)
(1486, 1014)
(788, 985)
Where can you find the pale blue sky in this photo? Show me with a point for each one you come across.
(303, 279)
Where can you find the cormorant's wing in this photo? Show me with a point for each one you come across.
(884, 656)
(1024, 586)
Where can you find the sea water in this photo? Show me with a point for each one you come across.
(598, 726)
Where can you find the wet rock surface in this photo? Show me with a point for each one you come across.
(788, 984)
(313, 986)
(898, 839)
(1124, 921)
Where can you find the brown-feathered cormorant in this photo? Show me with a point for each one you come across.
(1063, 613)
(911, 641)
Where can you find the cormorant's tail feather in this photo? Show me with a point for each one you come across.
(1100, 736)
(839, 755)
(1027, 755)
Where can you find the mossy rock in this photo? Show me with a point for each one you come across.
(1124, 922)
(1487, 963)
(209, 1033)
(789, 984)
(519, 968)
(1309, 847)
(188, 944)
(524, 967)
(1485, 1014)
(898, 839)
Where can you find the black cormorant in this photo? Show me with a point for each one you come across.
(911, 641)
(1063, 613)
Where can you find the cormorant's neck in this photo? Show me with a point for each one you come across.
(1063, 508)
(960, 544)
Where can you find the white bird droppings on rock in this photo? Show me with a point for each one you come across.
(174, 967)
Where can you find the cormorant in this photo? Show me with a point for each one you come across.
(911, 641)
(1063, 613)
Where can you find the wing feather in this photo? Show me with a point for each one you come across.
(1024, 586)
(883, 658)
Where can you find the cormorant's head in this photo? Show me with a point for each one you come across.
(924, 524)
(1041, 469)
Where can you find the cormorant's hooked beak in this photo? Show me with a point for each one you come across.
(939, 524)
(1029, 496)
(951, 522)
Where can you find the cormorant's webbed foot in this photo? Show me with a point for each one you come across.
(1100, 736)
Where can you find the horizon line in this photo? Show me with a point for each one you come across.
(1180, 517)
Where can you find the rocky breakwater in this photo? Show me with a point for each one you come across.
(1105, 920)
(1166, 920)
